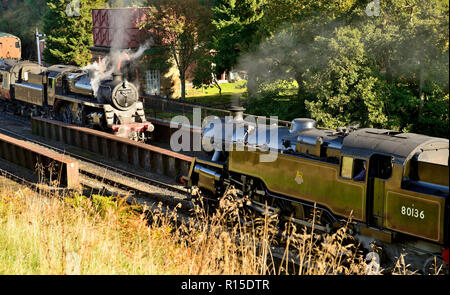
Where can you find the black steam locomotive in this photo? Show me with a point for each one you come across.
(66, 93)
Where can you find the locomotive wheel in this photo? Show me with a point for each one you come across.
(79, 115)
(70, 114)
(66, 114)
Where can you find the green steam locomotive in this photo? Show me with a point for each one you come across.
(393, 185)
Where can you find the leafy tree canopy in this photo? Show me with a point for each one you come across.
(181, 26)
(20, 18)
(238, 26)
(387, 71)
(69, 35)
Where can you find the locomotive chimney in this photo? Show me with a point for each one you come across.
(301, 124)
(117, 77)
(237, 113)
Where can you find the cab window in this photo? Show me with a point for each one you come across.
(51, 83)
(359, 170)
(380, 166)
(347, 167)
(355, 169)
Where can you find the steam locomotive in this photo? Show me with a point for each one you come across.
(398, 201)
(65, 93)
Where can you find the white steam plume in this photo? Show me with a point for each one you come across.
(104, 68)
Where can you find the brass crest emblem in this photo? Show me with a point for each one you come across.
(299, 177)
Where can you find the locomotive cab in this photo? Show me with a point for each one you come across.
(10, 46)
(5, 81)
(30, 85)
(427, 170)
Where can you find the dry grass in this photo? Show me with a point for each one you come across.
(98, 235)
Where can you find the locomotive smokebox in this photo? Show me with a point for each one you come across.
(120, 93)
(301, 124)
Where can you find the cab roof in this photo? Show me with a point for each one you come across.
(13, 65)
(401, 146)
(57, 70)
(3, 34)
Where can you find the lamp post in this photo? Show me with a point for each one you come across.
(38, 44)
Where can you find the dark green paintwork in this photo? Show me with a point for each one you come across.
(378, 202)
(321, 181)
(429, 227)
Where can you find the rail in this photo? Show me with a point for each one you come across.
(150, 158)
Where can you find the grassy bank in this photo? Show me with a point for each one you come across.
(78, 235)
(98, 235)
(231, 92)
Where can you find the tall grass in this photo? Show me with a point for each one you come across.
(42, 234)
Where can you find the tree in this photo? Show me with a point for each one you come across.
(408, 47)
(20, 18)
(69, 31)
(342, 89)
(288, 52)
(237, 25)
(389, 71)
(205, 73)
(183, 27)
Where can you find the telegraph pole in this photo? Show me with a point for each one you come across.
(39, 44)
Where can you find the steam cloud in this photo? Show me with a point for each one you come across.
(282, 55)
(104, 68)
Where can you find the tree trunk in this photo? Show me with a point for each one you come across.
(182, 71)
(252, 87)
(183, 86)
(421, 85)
(300, 98)
(218, 87)
(389, 76)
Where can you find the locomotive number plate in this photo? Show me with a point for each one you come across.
(413, 215)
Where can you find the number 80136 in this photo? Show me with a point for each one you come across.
(412, 212)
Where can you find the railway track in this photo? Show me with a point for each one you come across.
(34, 186)
(110, 180)
(106, 179)
(100, 164)
(95, 173)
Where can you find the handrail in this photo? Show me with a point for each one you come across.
(193, 105)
